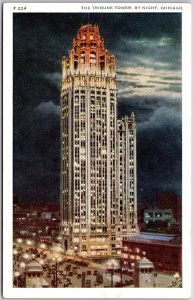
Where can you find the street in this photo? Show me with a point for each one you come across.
(61, 271)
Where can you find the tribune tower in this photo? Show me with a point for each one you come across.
(92, 223)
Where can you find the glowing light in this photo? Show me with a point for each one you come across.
(57, 257)
(176, 276)
(29, 242)
(41, 261)
(15, 251)
(26, 256)
(57, 249)
(22, 265)
(19, 241)
(112, 263)
(43, 246)
(16, 274)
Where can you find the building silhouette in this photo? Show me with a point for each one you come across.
(98, 152)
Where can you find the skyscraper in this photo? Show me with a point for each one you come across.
(98, 204)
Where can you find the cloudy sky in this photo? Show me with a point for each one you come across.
(147, 48)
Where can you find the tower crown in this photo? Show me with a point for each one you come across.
(89, 54)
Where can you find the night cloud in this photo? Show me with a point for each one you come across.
(48, 108)
(54, 78)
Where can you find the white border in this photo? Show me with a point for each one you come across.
(8, 291)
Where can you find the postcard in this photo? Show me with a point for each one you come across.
(96, 150)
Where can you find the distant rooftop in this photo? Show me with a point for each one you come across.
(156, 237)
(144, 263)
(152, 238)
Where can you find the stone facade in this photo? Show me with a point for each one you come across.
(94, 215)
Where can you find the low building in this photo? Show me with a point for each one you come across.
(34, 275)
(144, 273)
(164, 251)
(156, 215)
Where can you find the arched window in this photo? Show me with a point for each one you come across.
(92, 58)
(83, 57)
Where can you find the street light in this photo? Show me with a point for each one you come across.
(76, 250)
(112, 263)
(43, 246)
(16, 275)
(112, 273)
(15, 251)
(57, 249)
(121, 266)
(19, 241)
(176, 277)
(23, 272)
(15, 256)
(29, 242)
(22, 265)
(26, 256)
(41, 261)
(57, 258)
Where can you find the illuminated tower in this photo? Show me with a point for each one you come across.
(89, 200)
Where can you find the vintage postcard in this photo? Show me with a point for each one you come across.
(97, 150)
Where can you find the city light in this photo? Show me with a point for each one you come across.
(26, 256)
(33, 256)
(57, 257)
(112, 263)
(29, 242)
(15, 251)
(22, 265)
(19, 241)
(17, 274)
(176, 276)
(43, 246)
(57, 249)
(41, 261)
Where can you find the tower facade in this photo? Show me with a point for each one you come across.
(89, 148)
(126, 174)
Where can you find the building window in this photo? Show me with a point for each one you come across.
(158, 215)
(83, 57)
(92, 59)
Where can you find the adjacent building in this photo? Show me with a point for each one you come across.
(158, 215)
(164, 251)
(98, 152)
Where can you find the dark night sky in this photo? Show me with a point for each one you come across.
(148, 55)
